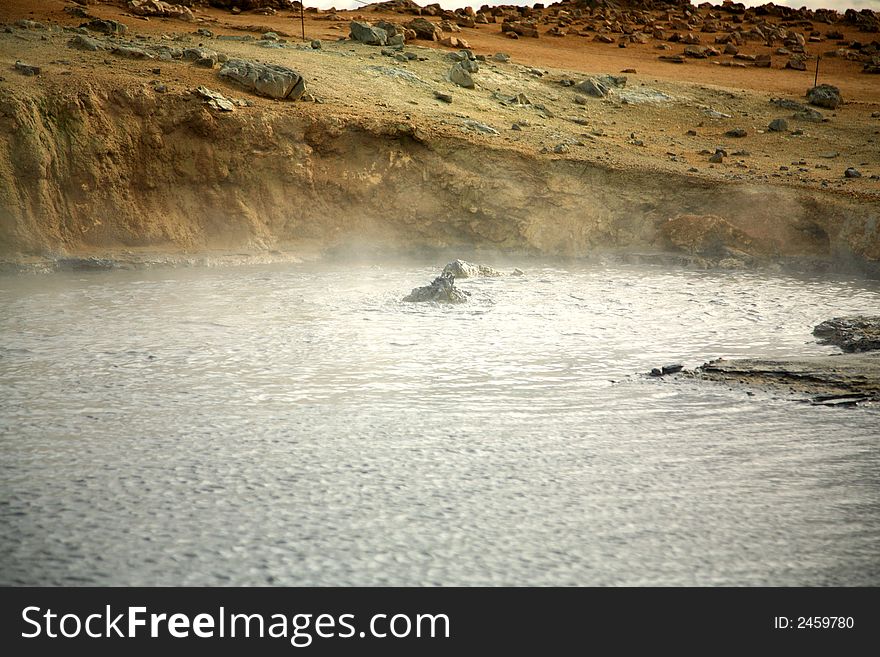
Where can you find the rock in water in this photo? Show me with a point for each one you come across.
(463, 269)
(366, 33)
(441, 290)
(855, 333)
(825, 95)
(269, 80)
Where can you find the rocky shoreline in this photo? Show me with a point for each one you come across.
(847, 379)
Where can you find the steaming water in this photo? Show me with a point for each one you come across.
(300, 425)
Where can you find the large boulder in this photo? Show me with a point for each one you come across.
(425, 29)
(856, 333)
(366, 33)
(825, 95)
(441, 290)
(270, 80)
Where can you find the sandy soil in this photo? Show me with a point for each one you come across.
(649, 135)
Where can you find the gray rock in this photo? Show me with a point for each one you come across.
(778, 125)
(464, 269)
(446, 98)
(396, 41)
(131, 52)
(316, 44)
(461, 76)
(105, 26)
(825, 95)
(852, 334)
(736, 133)
(593, 87)
(366, 33)
(480, 127)
(808, 114)
(216, 100)
(852, 172)
(502, 57)
(82, 42)
(441, 290)
(270, 80)
(27, 69)
(195, 54)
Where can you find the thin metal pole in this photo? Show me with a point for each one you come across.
(816, 81)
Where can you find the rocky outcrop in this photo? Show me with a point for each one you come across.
(463, 269)
(710, 236)
(852, 334)
(843, 380)
(441, 290)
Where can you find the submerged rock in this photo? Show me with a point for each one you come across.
(463, 269)
(852, 334)
(441, 290)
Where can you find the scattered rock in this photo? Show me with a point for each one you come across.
(441, 290)
(824, 95)
(501, 57)
(717, 157)
(593, 87)
(796, 64)
(852, 172)
(461, 76)
(215, 100)
(131, 52)
(446, 98)
(26, 69)
(778, 125)
(672, 59)
(105, 26)
(480, 127)
(316, 44)
(83, 42)
(736, 133)
(269, 80)
(852, 334)
(808, 114)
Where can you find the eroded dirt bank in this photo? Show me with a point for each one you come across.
(102, 155)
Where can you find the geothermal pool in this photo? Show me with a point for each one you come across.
(300, 425)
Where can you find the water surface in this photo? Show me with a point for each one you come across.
(299, 425)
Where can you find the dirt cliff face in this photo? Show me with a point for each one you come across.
(109, 169)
